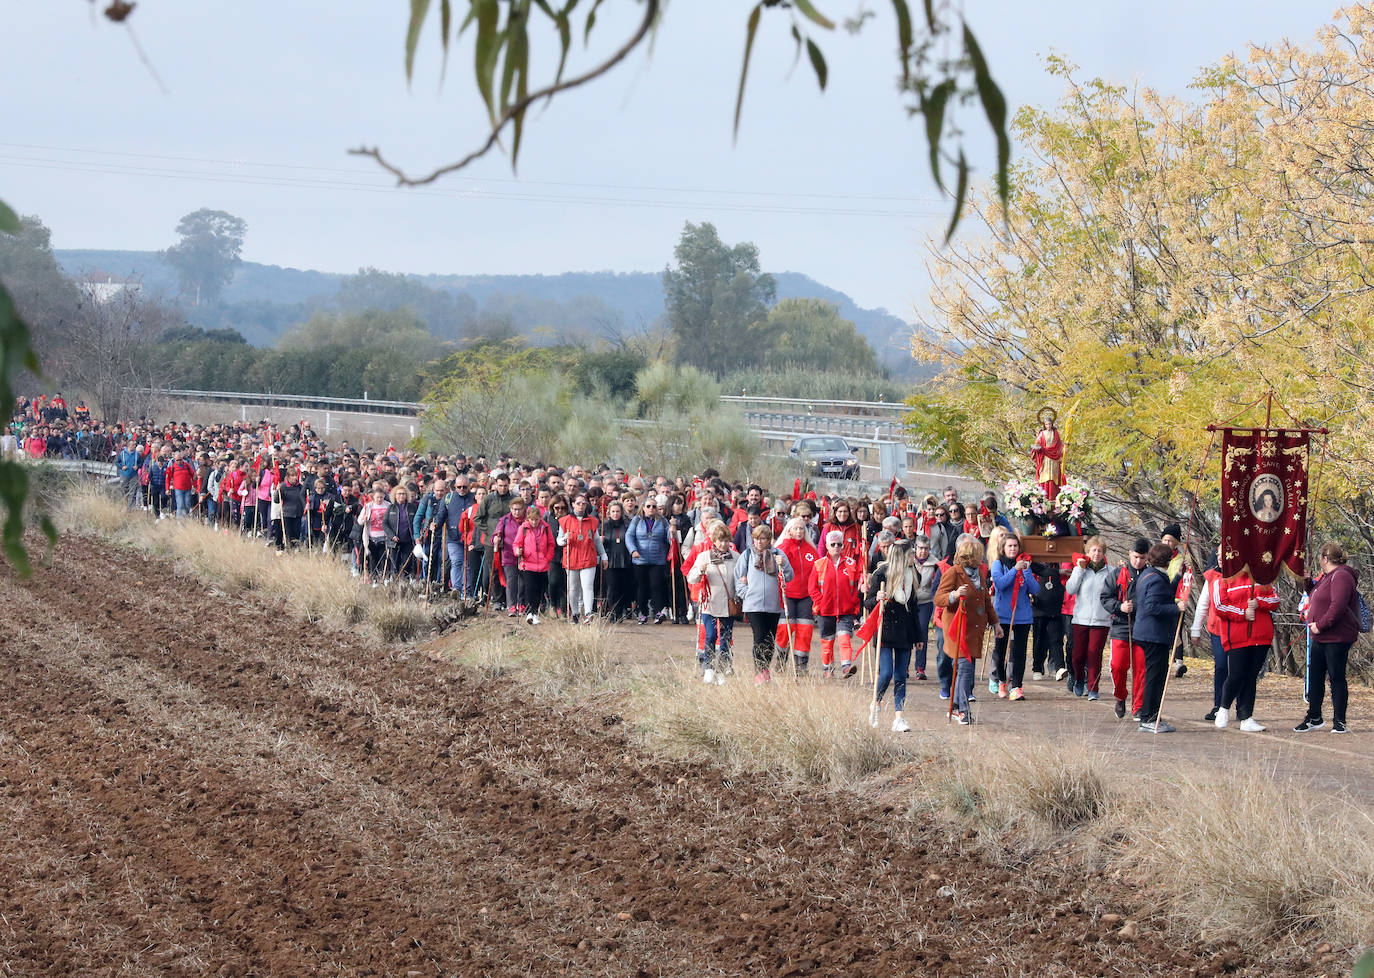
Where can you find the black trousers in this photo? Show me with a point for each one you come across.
(1242, 676)
(532, 587)
(619, 591)
(764, 625)
(651, 587)
(1329, 660)
(1047, 643)
(1156, 668)
(1017, 636)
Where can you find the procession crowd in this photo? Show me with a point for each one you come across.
(917, 579)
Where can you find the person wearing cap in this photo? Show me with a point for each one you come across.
(1156, 625)
(1127, 657)
(1172, 537)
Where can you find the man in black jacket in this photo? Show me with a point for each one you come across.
(495, 506)
(292, 496)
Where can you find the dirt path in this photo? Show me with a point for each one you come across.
(1337, 764)
(193, 785)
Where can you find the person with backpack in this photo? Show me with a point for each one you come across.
(1245, 613)
(760, 574)
(1336, 616)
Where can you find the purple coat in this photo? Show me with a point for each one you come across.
(1332, 606)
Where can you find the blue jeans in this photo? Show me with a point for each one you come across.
(183, 497)
(963, 682)
(720, 635)
(924, 612)
(897, 678)
(457, 567)
(944, 665)
(1219, 670)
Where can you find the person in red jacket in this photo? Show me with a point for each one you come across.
(534, 545)
(579, 533)
(181, 479)
(797, 624)
(1245, 613)
(836, 598)
(842, 520)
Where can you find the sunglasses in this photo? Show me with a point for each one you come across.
(834, 544)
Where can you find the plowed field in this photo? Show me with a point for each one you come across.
(194, 785)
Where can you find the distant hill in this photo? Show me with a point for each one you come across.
(263, 301)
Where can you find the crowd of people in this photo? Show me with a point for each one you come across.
(928, 581)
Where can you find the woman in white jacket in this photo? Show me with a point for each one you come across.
(714, 571)
(1091, 620)
(760, 573)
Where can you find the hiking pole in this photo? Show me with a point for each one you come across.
(878, 652)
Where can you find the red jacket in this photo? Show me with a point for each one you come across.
(1233, 596)
(802, 556)
(1210, 578)
(579, 552)
(835, 586)
(536, 545)
(853, 538)
(182, 475)
(466, 526)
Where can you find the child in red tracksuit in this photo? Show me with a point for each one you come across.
(797, 622)
(835, 598)
(534, 548)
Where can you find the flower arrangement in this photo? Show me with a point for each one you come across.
(1025, 500)
(1071, 506)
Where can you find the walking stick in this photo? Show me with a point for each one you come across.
(878, 650)
(429, 569)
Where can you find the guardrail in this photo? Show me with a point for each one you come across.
(308, 401)
(801, 405)
(816, 424)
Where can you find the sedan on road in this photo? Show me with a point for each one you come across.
(827, 455)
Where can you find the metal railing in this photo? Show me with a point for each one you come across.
(816, 406)
(307, 401)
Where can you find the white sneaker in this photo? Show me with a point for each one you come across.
(1059, 674)
(1223, 717)
(1249, 725)
(899, 725)
(873, 710)
(1037, 676)
(720, 678)
(709, 676)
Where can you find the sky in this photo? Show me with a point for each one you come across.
(250, 108)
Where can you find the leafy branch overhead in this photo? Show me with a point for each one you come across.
(940, 64)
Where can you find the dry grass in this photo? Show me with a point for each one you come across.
(314, 586)
(1254, 860)
(552, 659)
(808, 732)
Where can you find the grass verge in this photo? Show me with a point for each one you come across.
(314, 586)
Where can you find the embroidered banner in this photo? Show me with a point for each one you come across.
(1263, 502)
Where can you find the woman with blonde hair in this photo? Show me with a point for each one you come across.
(968, 611)
(893, 587)
(714, 572)
(760, 574)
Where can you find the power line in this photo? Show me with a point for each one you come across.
(633, 188)
(472, 194)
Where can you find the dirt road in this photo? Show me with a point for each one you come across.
(194, 785)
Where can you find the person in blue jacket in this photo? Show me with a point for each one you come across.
(1156, 627)
(127, 465)
(1013, 584)
(647, 539)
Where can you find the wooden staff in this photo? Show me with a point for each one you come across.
(878, 650)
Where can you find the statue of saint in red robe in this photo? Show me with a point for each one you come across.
(1048, 455)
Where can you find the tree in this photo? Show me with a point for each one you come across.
(713, 297)
(445, 315)
(809, 333)
(1163, 264)
(207, 252)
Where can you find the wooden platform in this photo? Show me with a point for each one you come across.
(1044, 548)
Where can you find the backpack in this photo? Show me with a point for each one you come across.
(1362, 614)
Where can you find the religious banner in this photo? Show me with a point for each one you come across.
(1263, 502)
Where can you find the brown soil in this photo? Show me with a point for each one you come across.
(198, 785)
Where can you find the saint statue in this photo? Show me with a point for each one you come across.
(1048, 455)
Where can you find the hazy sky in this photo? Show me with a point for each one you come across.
(262, 100)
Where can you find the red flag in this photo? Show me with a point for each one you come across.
(674, 550)
(796, 490)
(868, 629)
(1263, 502)
(891, 492)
